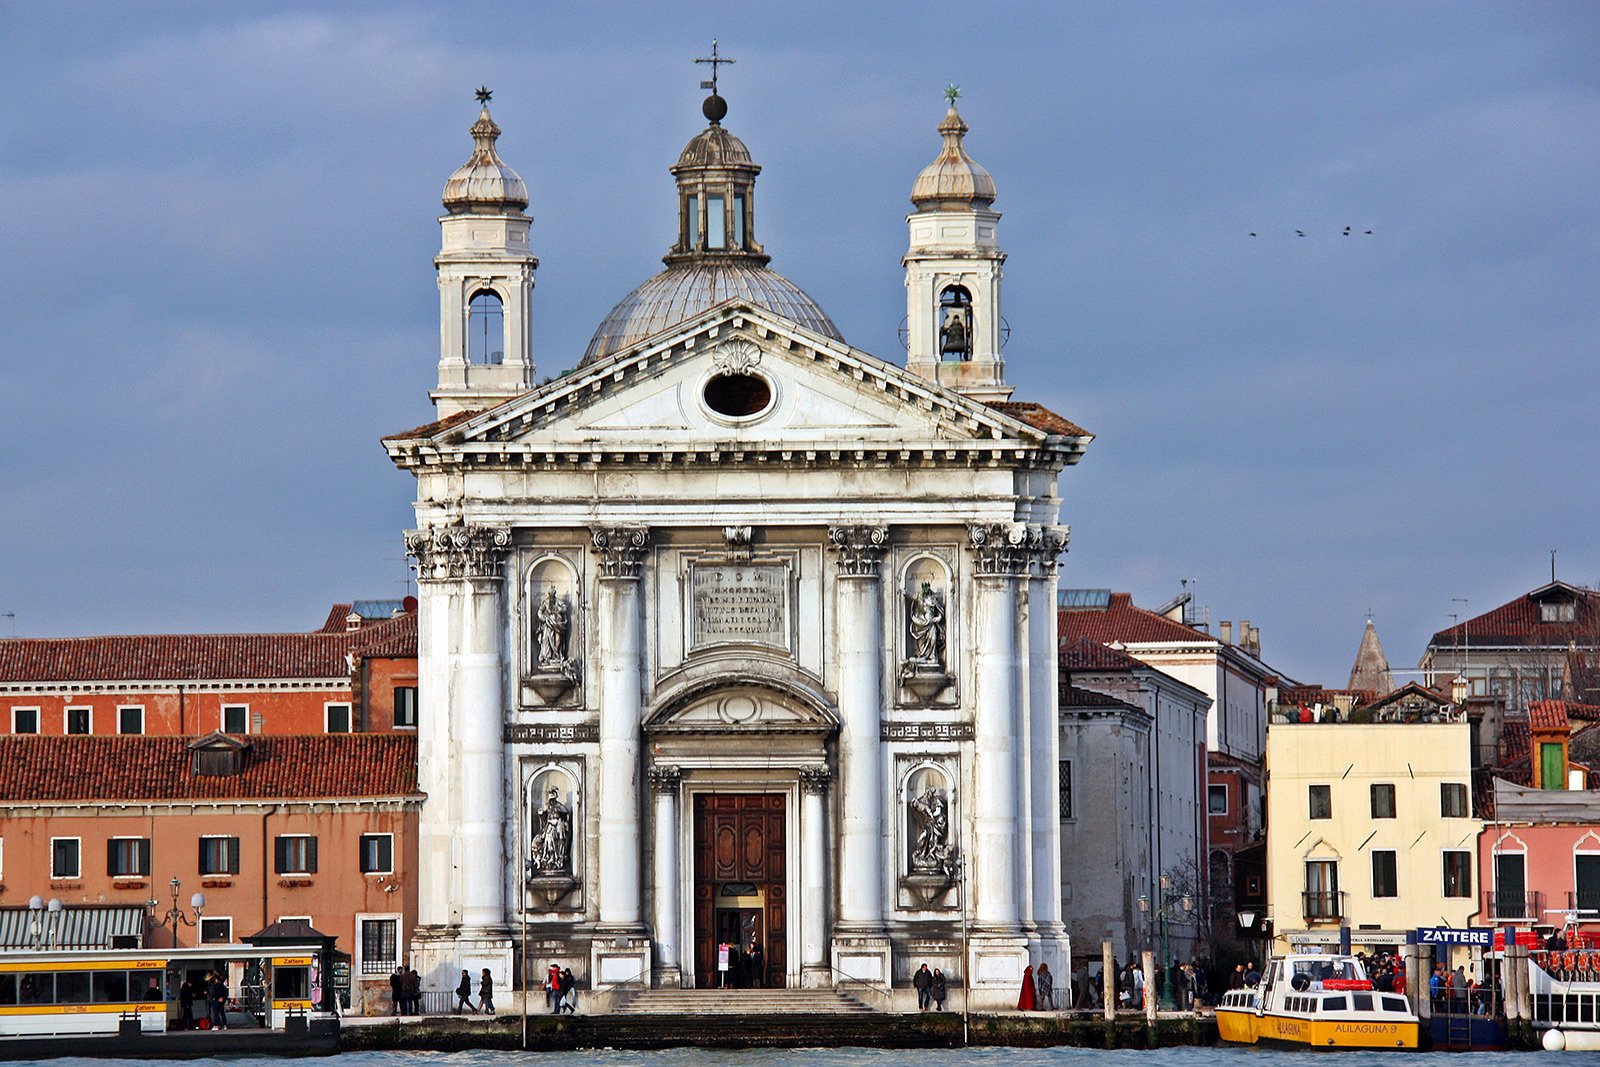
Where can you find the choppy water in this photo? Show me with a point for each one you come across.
(840, 1057)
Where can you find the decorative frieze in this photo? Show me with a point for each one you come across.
(523, 733)
(815, 780)
(441, 553)
(621, 549)
(926, 731)
(860, 549)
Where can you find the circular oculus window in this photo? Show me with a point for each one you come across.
(738, 395)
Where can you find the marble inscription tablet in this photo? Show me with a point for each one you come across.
(739, 602)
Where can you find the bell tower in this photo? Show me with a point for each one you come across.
(485, 279)
(953, 271)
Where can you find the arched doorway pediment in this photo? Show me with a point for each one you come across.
(742, 693)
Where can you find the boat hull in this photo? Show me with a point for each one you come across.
(1248, 1028)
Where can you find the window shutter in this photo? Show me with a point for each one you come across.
(231, 857)
(311, 855)
(386, 853)
(280, 858)
(111, 859)
(200, 861)
(144, 856)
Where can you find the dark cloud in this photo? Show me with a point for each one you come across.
(217, 293)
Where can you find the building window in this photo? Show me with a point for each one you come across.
(128, 857)
(1552, 766)
(1385, 879)
(1457, 874)
(694, 222)
(405, 707)
(1064, 788)
(338, 719)
(1321, 802)
(1553, 612)
(219, 855)
(130, 720)
(24, 720)
(216, 931)
(1453, 800)
(1586, 884)
(380, 945)
(80, 720)
(716, 222)
(235, 718)
(64, 857)
(295, 854)
(1382, 800)
(486, 331)
(1322, 889)
(739, 207)
(377, 853)
(1217, 799)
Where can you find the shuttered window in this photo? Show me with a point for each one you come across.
(295, 854)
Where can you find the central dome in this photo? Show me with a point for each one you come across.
(683, 291)
(716, 256)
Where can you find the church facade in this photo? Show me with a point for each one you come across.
(736, 637)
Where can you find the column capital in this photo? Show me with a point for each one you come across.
(860, 549)
(1045, 544)
(621, 549)
(814, 781)
(665, 778)
(1000, 549)
(458, 550)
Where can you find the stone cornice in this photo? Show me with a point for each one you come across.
(442, 553)
(860, 549)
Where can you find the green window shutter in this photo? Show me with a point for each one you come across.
(280, 858)
(232, 852)
(144, 856)
(311, 855)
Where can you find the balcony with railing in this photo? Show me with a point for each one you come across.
(1527, 907)
(1322, 905)
(1585, 903)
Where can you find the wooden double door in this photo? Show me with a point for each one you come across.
(740, 890)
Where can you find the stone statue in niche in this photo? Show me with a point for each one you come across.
(554, 624)
(925, 619)
(552, 844)
(931, 851)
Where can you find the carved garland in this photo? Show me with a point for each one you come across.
(860, 548)
(621, 549)
(441, 553)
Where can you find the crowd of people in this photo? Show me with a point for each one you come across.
(211, 994)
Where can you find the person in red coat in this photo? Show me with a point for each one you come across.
(1025, 1000)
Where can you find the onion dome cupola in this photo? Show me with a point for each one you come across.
(486, 277)
(954, 331)
(716, 256)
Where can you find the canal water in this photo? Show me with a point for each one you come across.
(837, 1057)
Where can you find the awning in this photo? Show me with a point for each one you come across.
(91, 926)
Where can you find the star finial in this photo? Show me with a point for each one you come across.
(952, 93)
(484, 95)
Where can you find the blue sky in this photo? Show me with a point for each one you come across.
(217, 291)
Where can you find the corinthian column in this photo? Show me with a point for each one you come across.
(814, 875)
(462, 769)
(860, 637)
(619, 655)
(1044, 745)
(998, 563)
(664, 781)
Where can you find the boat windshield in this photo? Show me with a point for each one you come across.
(1322, 970)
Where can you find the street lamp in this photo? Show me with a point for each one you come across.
(175, 916)
(42, 914)
(1169, 911)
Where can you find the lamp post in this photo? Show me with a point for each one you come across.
(176, 916)
(43, 914)
(1166, 912)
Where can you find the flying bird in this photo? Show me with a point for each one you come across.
(1347, 231)
(1299, 233)
(1252, 235)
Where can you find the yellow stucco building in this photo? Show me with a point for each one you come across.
(1369, 825)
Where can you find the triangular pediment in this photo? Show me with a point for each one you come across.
(822, 395)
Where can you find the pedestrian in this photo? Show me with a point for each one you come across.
(1025, 999)
(922, 982)
(1082, 989)
(552, 989)
(1252, 977)
(186, 1004)
(1137, 1000)
(217, 997)
(939, 990)
(486, 993)
(464, 994)
(397, 992)
(1161, 982)
(1236, 979)
(1045, 984)
(1180, 988)
(414, 990)
(569, 990)
(757, 963)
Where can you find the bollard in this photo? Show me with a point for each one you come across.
(1108, 981)
(1148, 961)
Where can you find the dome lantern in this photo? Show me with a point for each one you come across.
(484, 184)
(953, 181)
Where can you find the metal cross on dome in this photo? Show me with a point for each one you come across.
(484, 94)
(714, 59)
(952, 93)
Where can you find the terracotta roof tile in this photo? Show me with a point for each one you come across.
(1087, 654)
(1519, 623)
(336, 620)
(44, 768)
(1040, 418)
(1070, 696)
(437, 426)
(1548, 715)
(161, 657)
(1123, 623)
(394, 638)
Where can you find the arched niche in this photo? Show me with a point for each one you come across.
(927, 793)
(552, 800)
(550, 599)
(926, 627)
(486, 325)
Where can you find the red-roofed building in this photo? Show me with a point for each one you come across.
(321, 827)
(1518, 652)
(357, 673)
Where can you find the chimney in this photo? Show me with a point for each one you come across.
(1255, 641)
(1244, 634)
(1227, 631)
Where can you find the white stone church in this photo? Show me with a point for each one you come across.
(737, 643)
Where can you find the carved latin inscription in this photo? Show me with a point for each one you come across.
(740, 602)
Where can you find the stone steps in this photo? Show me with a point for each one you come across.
(745, 1002)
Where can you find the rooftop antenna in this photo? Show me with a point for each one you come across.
(1552, 565)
